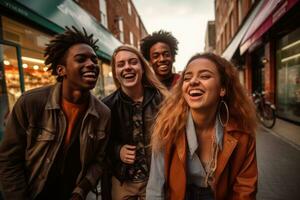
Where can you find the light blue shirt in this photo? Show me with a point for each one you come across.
(196, 172)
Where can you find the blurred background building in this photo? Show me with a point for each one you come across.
(262, 38)
(27, 25)
(210, 37)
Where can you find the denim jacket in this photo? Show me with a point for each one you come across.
(34, 134)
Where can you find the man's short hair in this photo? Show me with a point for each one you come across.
(155, 37)
(57, 48)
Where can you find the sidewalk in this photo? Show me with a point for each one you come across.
(287, 131)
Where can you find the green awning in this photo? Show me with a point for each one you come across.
(56, 14)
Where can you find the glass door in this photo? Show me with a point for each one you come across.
(11, 79)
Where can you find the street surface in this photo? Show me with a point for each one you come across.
(279, 168)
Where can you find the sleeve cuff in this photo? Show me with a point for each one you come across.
(83, 188)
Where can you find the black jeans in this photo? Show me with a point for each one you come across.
(198, 193)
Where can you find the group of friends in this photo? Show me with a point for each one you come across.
(160, 135)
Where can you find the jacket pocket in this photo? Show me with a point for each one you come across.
(38, 142)
(35, 134)
(37, 151)
(97, 135)
(95, 141)
(45, 136)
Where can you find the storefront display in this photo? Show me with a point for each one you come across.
(288, 76)
(32, 44)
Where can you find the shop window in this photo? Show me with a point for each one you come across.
(288, 76)
(32, 43)
(109, 86)
(9, 78)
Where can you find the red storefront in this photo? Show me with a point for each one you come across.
(271, 47)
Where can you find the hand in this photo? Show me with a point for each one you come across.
(127, 154)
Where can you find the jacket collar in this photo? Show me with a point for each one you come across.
(229, 144)
(53, 102)
(149, 93)
(192, 137)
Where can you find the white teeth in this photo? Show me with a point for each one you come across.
(89, 74)
(163, 66)
(130, 75)
(195, 92)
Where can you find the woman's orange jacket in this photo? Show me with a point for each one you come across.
(236, 173)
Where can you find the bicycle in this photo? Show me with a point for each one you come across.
(265, 110)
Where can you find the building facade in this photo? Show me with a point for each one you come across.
(262, 38)
(210, 37)
(120, 17)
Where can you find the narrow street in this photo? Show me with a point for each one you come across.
(279, 168)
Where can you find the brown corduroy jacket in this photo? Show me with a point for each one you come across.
(236, 173)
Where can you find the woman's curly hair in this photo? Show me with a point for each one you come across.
(155, 37)
(57, 48)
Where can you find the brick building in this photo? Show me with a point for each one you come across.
(210, 37)
(120, 17)
(262, 38)
(230, 15)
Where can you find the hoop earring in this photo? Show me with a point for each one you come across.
(222, 102)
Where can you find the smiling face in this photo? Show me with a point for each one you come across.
(128, 70)
(201, 85)
(161, 60)
(81, 70)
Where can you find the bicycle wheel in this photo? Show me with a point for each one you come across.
(267, 116)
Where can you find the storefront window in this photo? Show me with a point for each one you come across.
(10, 88)
(109, 85)
(288, 76)
(105, 84)
(32, 43)
(10, 79)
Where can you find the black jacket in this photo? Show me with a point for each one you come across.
(122, 126)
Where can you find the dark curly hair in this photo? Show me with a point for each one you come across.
(57, 48)
(159, 36)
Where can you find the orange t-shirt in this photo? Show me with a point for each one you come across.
(72, 111)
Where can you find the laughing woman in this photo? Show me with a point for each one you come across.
(133, 106)
(203, 141)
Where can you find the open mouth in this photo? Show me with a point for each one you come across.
(163, 67)
(129, 75)
(195, 92)
(90, 75)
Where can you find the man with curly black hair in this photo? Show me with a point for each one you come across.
(56, 136)
(160, 49)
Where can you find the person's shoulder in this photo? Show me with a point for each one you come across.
(100, 106)
(110, 99)
(176, 76)
(37, 94)
(158, 95)
(38, 91)
(240, 134)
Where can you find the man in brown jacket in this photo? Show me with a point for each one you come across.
(55, 139)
